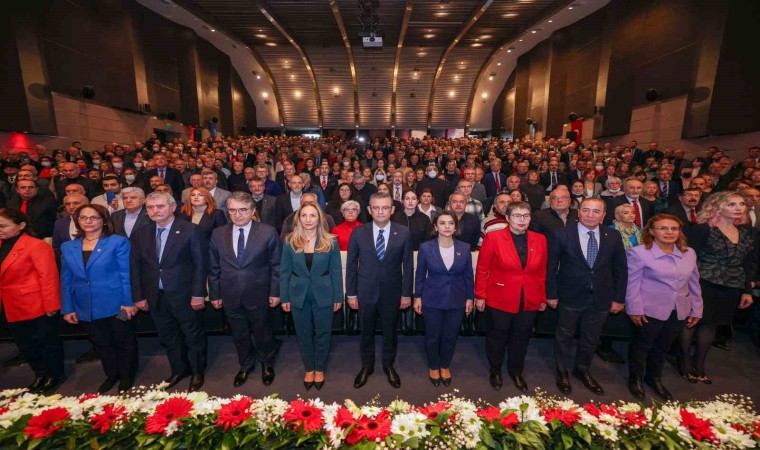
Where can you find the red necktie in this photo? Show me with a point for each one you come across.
(498, 182)
(693, 216)
(161, 174)
(324, 182)
(23, 206)
(637, 221)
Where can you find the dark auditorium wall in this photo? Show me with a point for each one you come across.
(130, 55)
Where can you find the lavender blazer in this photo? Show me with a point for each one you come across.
(659, 283)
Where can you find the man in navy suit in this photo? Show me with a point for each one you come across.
(668, 188)
(169, 267)
(643, 208)
(169, 176)
(134, 216)
(379, 275)
(244, 275)
(586, 280)
(494, 181)
(64, 229)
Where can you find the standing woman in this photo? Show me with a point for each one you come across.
(427, 204)
(96, 293)
(31, 299)
(350, 212)
(663, 295)
(625, 224)
(727, 260)
(444, 293)
(510, 286)
(202, 211)
(311, 288)
(411, 217)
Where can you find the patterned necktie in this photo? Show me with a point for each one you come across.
(664, 188)
(397, 194)
(498, 182)
(592, 250)
(554, 180)
(635, 205)
(159, 233)
(324, 182)
(693, 215)
(380, 245)
(161, 174)
(240, 246)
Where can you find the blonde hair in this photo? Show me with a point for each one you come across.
(714, 203)
(298, 240)
(619, 211)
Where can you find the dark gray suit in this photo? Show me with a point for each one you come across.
(120, 216)
(268, 214)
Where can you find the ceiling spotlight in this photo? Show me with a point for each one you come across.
(264, 94)
(336, 90)
(428, 36)
(476, 44)
(509, 50)
(484, 95)
(441, 14)
(508, 15)
(551, 21)
(271, 44)
(213, 30)
(452, 93)
(261, 36)
(519, 40)
(258, 77)
(486, 37)
(297, 94)
(498, 64)
(492, 76)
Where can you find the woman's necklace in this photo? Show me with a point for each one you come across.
(93, 239)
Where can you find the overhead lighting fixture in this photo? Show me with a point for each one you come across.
(264, 94)
(484, 95)
(428, 36)
(486, 37)
(509, 15)
(509, 50)
(261, 36)
(551, 21)
(519, 40)
(258, 77)
(456, 78)
(476, 44)
(271, 44)
(441, 14)
(213, 30)
(297, 94)
(498, 64)
(452, 94)
(336, 90)
(492, 76)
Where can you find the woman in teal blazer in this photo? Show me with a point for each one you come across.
(311, 288)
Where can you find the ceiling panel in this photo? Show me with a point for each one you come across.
(374, 73)
(454, 85)
(296, 88)
(413, 92)
(333, 75)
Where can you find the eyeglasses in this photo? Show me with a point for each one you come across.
(673, 229)
(241, 211)
(520, 216)
(563, 197)
(380, 208)
(90, 218)
(351, 210)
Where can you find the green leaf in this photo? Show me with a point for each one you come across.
(486, 437)
(567, 441)
(583, 433)
(228, 442)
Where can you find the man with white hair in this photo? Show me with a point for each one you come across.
(133, 216)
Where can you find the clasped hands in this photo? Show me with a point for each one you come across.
(353, 302)
(73, 319)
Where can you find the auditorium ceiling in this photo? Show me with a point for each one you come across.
(432, 72)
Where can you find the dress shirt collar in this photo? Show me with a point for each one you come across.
(583, 230)
(658, 253)
(247, 229)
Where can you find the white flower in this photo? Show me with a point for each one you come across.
(370, 411)
(608, 432)
(525, 407)
(171, 428)
(399, 406)
(410, 425)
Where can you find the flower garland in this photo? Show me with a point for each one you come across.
(151, 418)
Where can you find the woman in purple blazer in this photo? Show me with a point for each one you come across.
(663, 295)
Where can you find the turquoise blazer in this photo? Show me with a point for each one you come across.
(325, 279)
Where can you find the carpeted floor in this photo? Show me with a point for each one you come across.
(736, 371)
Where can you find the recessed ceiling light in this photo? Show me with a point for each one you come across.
(271, 44)
(297, 94)
(484, 95)
(441, 14)
(452, 93)
(258, 77)
(551, 21)
(498, 64)
(264, 94)
(534, 32)
(336, 90)
(421, 54)
(428, 36)
(486, 36)
(261, 36)
(213, 30)
(508, 15)
(520, 40)
(476, 44)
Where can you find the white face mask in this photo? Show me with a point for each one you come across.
(138, 165)
(96, 161)
(45, 163)
(118, 165)
(599, 167)
(432, 174)
(379, 177)
(129, 178)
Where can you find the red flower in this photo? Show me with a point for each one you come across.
(173, 410)
(636, 418)
(46, 423)
(111, 414)
(490, 414)
(4, 410)
(756, 433)
(700, 429)
(234, 413)
(306, 415)
(601, 409)
(377, 428)
(344, 418)
(510, 421)
(86, 397)
(592, 409)
(432, 411)
(568, 417)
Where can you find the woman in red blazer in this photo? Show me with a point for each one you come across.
(31, 298)
(510, 286)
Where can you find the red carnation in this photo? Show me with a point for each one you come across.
(46, 423)
(173, 410)
(234, 413)
(377, 428)
(592, 409)
(111, 414)
(636, 418)
(344, 418)
(86, 397)
(700, 429)
(569, 417)
(510, 421)
(306, 415)
(433, 411)
(756, 433)
(490, 414)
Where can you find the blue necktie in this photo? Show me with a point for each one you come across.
(240, 246)
(592, 250)
(159, 232)
(380, 245)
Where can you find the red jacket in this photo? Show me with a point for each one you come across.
(500, 277)
(29, 284)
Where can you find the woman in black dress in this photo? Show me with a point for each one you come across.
(411, 217)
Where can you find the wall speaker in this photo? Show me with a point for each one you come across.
(215, 119)
(651, 95)
(88, 92)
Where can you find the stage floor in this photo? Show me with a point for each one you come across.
(736, 371)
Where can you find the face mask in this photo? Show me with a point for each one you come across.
(432, 174)
(379, 177)
(96, 161)
(118, 165)
(599, 167)
(129, 178)
(45, 163)
(346, 163)
(155, 149)
(138, 165)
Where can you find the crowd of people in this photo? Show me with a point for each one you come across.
(249, 224)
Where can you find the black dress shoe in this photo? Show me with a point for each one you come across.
(196, 383)
(434, 381)
(495, 379)
(520, 383)
(15, 361)
(126, 384)
(36, 385)
(241, 378)
(318, 384)
(588, 381)
(636, 387)
(563, 383)
(267, 375)
(659, 388)
(88, 357)
(361, 377)
(446, 381)
(107, 385)
(308, 384)
(51, 384)
(174, 379)
(393, 378)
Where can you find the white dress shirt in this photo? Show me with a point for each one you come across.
(584, 237)
(376, 231)
(236, 232)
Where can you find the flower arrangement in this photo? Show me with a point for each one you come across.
(151, 418)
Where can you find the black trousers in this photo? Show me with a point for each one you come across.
(246, 322)
(388, 312)
(115, 343)
(38, 341)
(588, 322)
(510, 332)
(650, 344)
(182, 333)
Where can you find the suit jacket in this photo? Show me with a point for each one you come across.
(283, 209)
(365, 273)
(678, 211)
(443, 288)
(99, 289)
(490, 184)
(647, 209)
(220, 197)
(674, 188)
(120, 217)
(325, 279)
(469, 230)
(571, 280)
(269, 211)
(29, 285)
(182, 269)
(42, 212)
(545, 180)
(501, 278)
(173, 178)
(208, 222)
(251, 282)
(547, 220)
(60, 236)
(60, 187)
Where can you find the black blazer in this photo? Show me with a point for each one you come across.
(545, 179)
(678, 211)
(269, 211)
(283, 209)
(490, 184)
(547, 220)
(208, 222)
(647, 209)
(251, 282)
(674, 188)
(183, 267)
(469, 230)
(172, 177)
(365, 273)
(42, 211)
(120, 216)
(571, 280)
(418, 223)
(60, 235)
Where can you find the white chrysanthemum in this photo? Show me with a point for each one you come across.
(608, 432)
(525, 407)
(588, 419)
(268, 412)
(410, 425)
(629, 407)
(10, 393)
(196, 397)
(206, 408)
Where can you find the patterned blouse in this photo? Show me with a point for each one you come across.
(721, 261)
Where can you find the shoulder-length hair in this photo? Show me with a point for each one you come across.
(18, 218)
(298, 240)
(187, 208)
(714, 203)
(648, 239)
(105, 216)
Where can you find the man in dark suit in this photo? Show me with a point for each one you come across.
(469, 225)
(307, 197)
(134, 216)
(64, 229)
(687, 207)
(669, 189)
(169, 267)
(586, 280)
(289, 201)
(266, 205)
(169, 176)
(643, 208)
(70, 172)
(553, 177)
(557, 215)
(379, 273)
(245, 278)
(494, 181)
(39, 206)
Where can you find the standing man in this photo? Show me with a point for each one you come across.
(70, 172)
(169, 175)
(265, 204)
(40, 208)
(557, 215)
(289, 201)
(244, 276)
(169, 267)
(494, 181)
(687, 207)
(380, 255)
(586, 281)
(642, 208)
(111, 198)
(210, 179)
(64, 229)
(134, 216)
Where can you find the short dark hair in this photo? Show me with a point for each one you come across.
(17, 217)
(447, 212)
(108, 226)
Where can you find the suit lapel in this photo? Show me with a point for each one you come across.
(18, 249)
(96, 252)
(171, 239)
(76, 245)
(574, 236)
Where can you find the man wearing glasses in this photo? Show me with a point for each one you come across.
(557, 215)
(379, 272)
